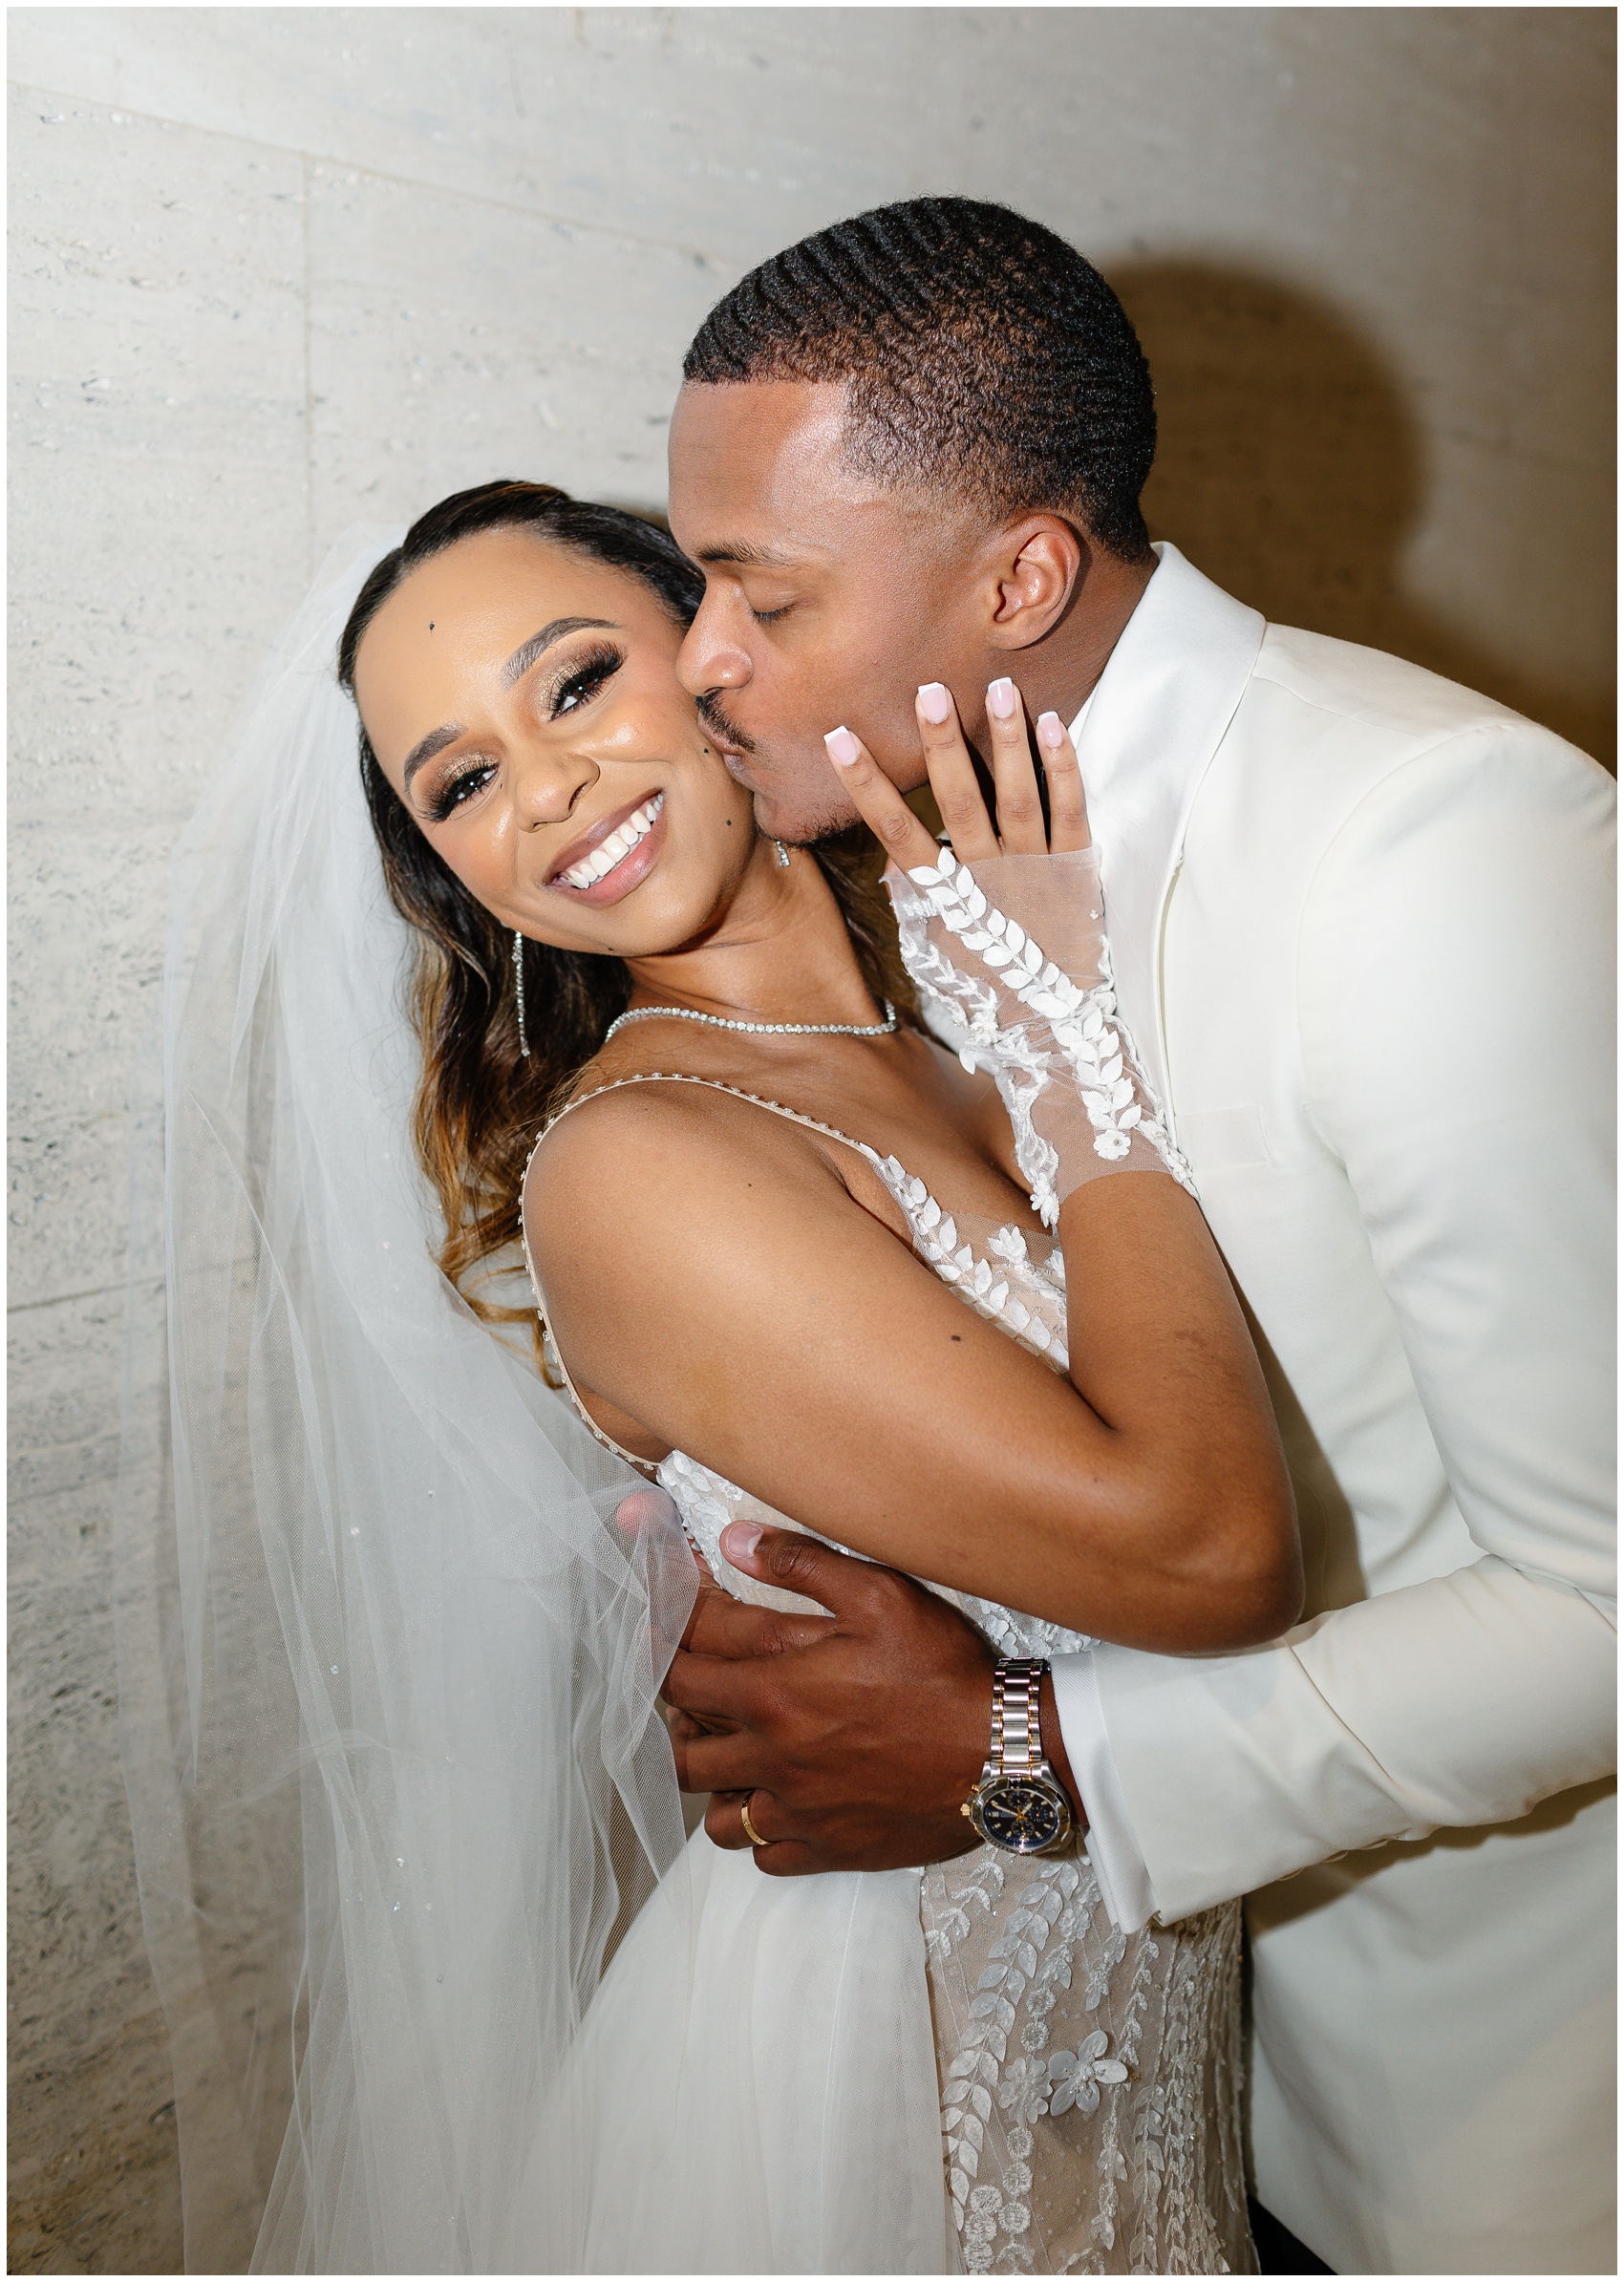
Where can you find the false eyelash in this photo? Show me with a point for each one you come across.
(449, 796)
(584, 678)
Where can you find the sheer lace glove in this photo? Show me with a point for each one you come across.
(1010, 953)
(1003, 933)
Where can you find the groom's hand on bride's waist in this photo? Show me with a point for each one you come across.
(853, 1739)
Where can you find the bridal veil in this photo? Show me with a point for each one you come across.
(387, 1669)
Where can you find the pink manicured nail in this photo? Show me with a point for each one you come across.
(934, 701)
(739, 1540)
(842, 747)
(1001, 699)
(1050, 731)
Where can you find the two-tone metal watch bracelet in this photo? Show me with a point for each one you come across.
(1017, 1697)
(1019, 1805)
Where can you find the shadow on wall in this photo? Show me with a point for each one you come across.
(1292, 471)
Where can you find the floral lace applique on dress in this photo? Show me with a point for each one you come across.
(1090, 2078)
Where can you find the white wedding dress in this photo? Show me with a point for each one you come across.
(904, 2072)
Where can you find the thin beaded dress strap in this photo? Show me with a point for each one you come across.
(714, 1085)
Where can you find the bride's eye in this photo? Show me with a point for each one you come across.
(584, 680)
(452, 793)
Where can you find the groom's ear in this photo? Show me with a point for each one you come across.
(1032, 568)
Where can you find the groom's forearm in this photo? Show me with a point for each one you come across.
(1457, 1702)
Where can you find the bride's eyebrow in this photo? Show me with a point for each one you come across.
(528, 653)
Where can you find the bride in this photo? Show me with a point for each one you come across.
(796, 1262)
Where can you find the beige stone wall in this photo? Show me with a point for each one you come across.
(277, 268)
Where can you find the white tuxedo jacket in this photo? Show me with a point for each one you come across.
(1362, 928)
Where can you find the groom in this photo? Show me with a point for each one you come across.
(1360, 921)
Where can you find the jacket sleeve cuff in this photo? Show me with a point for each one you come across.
(1113, 1849)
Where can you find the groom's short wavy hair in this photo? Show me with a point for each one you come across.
(983, 353)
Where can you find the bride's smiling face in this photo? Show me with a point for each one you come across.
(524, 703)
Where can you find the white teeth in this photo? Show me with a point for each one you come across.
(616, 848)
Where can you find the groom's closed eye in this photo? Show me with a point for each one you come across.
(739, 555)
(766, 598)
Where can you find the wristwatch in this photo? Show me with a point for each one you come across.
(1019, 1805)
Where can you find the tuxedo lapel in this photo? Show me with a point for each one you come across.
(1145, 741)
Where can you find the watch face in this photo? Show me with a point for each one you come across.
(1022, 1816)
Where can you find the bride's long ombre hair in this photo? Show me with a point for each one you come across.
(482, 1102)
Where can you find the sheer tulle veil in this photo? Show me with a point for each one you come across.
(387, 1668)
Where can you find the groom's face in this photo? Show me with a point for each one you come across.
(828, 597)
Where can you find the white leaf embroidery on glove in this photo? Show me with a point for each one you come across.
(1031, 1024)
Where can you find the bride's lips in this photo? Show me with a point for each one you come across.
(633, 867)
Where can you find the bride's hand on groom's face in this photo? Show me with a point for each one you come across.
(854, 1738)
(1018, 829)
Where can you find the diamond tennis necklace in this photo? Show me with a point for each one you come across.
(801, 1030)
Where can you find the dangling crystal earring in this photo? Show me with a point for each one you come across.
(519, 990)
(783, 853)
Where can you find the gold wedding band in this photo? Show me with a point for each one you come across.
(750, 1831)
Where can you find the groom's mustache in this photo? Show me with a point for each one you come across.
(711, 714)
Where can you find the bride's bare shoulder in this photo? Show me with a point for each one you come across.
(626, 1156)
